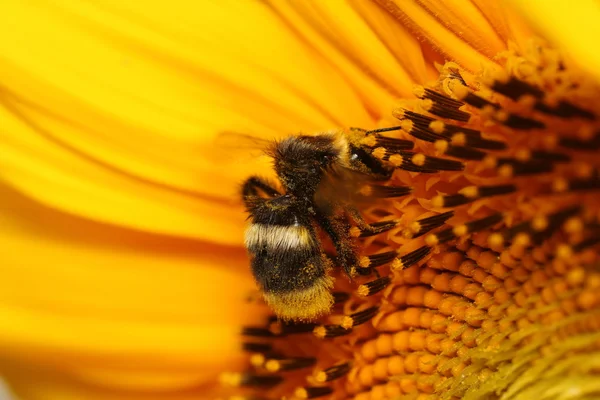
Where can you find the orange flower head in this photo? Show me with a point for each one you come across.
(483, 273)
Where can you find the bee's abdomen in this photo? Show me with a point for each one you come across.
(295, 283)
(284, 258)
(291, 270)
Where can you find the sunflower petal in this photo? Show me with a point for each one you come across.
(354, 37)
(445, 27)
(43, 384)
(466, 21)
(572, 26)
(80, 296)
(119, 101)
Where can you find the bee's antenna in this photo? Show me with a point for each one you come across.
(389, 129)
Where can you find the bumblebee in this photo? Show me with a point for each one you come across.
(322, 179)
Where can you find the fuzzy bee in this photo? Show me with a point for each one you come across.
(324, 178)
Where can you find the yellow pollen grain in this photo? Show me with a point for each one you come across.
(355, 232)
(418, 91)
(574, 225)
(301, 393)
(415, 227)
(490, 162)
(363, 291)
(379, 152)
(501, 115)
(539, 223)
(408, 233)
(471, 192)
(397, 264)
(437, 202)
(564, 251)
(320, 331)
(406, 125)
(459, 139)
(257, 360)
(523, 155)
(431, 240)
(426, 104)
(347, 322)
(364, 262)
(441, 146)
(506, 171)
(495, 240)
(419, 159)
(369, 141)
(398, 113)
(396, 159)
(560, 185)
(321, 377)
(273, 365)
(576, 277)
(437, 126)
(460, 230)
(522, 239)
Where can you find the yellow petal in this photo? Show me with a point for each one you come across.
(120, 104)
(494, 13)
(42, 384)
(508, 24)
(466, 21)
(400, 43)
(353, 37)
(64, 178)
(91, 300)
(572, 26)
(447, 29)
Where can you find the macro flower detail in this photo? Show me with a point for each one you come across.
(124, 272)
(485, 279)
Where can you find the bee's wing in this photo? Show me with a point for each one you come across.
(236, 140)
(343, 185)
(241, 147)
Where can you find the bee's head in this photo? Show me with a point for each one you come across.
(300, 161)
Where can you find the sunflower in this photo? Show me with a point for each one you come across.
(124, 272)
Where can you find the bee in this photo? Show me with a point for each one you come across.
(323, 178)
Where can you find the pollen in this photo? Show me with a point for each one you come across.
(482, 281)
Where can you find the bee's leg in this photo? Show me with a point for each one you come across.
(357, 218)
(364, 229)
(253, 186)
(338, 230)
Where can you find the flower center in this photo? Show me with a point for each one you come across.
(487, 283)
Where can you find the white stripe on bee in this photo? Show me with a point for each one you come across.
(276, 237)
